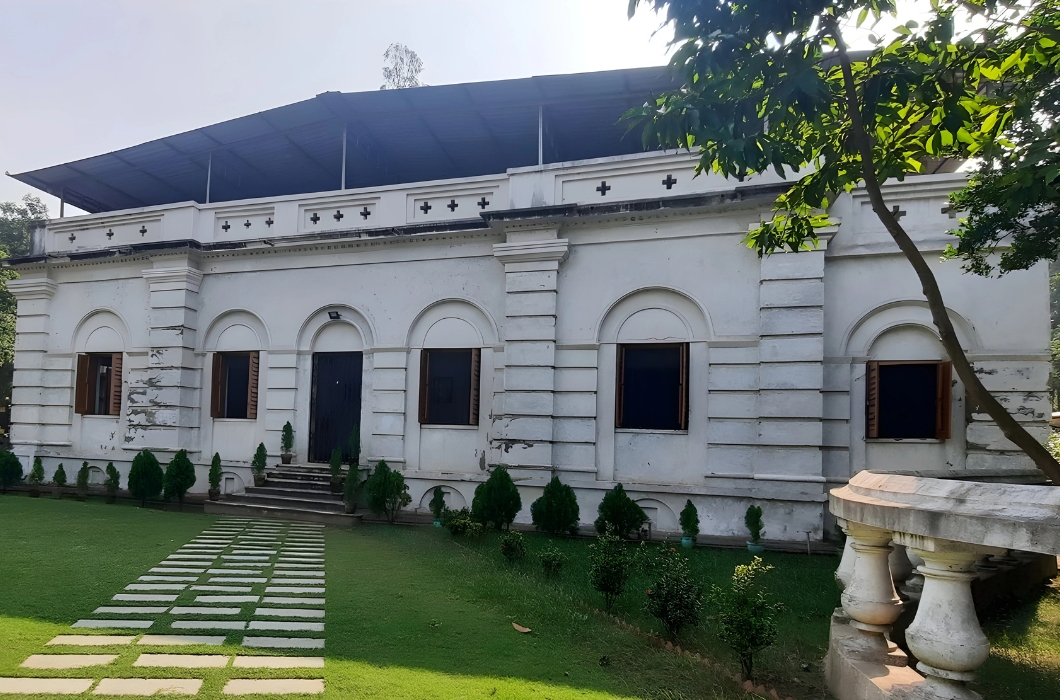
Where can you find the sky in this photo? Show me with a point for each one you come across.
(81, 78)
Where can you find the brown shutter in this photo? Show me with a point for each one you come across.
(476, 372)
(682, 409)
(423, 384)
(217, 387)
(620, 385)
(872, 399)
(115, 384)
(82, 382)
(943, 401)
(252, 386)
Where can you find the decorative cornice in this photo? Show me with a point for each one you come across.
(38, 288)
(551, 250)
(164, 279)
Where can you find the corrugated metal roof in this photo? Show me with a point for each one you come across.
(393, 136)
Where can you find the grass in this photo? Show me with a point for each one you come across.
(414, 613)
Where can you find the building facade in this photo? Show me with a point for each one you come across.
(596, 319)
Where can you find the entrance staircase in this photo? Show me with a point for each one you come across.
(291, 492)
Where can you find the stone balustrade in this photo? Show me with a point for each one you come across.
(917, 541)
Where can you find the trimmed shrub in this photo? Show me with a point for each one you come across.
(82, 477)
(512, 546)
(36, 474)
(113, 480)
(335, 464)
(180, 476)
(457, 521)
(610, 566)
(753, 520)
(261, 459)
(215, 472)
(689, 520)
(674, 597)
(496, 500)
(287, 437)
(351, 490)
(557, 509)
(10, 470)
(437, 503)
(387, 491)
(146, 478)
(745, 614)
(59, 477)
(353, 446)
(552, 561)
(618, 511)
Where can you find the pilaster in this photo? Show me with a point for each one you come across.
(29, 422)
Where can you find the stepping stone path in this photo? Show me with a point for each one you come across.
(178, 601)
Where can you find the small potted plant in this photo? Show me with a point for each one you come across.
(351, 489)
(287, 443)
(437, 505)
(82, 482)
(336, 470)
(112, 482)
(35, 478)
(753, 520)
(689, 524)
(215, 477)
(257, 464)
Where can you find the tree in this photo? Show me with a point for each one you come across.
(745, 613)
(113, 480)
(260, 460)
(557, 509)
(215, 472)
(773, 86)
(146, 478)
(10, 470)
(387, 491)
(180, 476)
(16, 223)
(619, 512)
(36, 474)
(496, 500)
(403, 70)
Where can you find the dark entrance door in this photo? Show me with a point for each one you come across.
(335, 406)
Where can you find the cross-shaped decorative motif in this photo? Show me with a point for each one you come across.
(483, 203)
(143, 231)
(269, 222)
(314, 218)
(452, 205)
(247, 224)
(226, 227)
(72, 238)
(338, 215)
(670, 181)
(365, 213)
(603, 188)
(897, 213)
(110, 234)
(425, 208)
(949, 211)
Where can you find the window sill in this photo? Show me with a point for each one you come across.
(97, 416)
(650, 431)
(235, 420)
(915, 441)
(439, 426)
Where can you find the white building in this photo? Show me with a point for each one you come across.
(489, 274)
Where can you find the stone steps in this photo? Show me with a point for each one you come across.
(311, 493)
(291, 492)
(329, 504)
(249, 508)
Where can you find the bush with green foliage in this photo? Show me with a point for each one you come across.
(10, 470)
(674, 597)
(215, 472)
(512, 546)
(618, 511)
(552, 560)
(351, 489)
(113, 480)
(610, 566)
(437, 504)
(496, 500)
(261, 459)
(456, 521)
(689, 519)
(287, 438)
(387, 491)
(146, 477)
(335, 464)
(353, 446)
(557, 509)
(746, 616)
(59, 477)
(180, 476)
(82, 477)
(36, 474)
(753, 520)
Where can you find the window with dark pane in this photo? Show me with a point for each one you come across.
(652, 387)
(908, 400)
(97, 391)
(235, 385)
(448, 387)
(100, 368)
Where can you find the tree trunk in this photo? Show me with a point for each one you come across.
(982, 398)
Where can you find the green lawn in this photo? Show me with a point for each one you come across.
(413, 613)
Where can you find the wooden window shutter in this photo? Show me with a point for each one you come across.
(115, 383)
(872, 399)
(620, 386)
(82, 382)
(683, 389)
(424, 368)
(252, 386)
(943, 401)
(476, 372)
(217, 387)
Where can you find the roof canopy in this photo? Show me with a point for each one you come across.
(392, 136)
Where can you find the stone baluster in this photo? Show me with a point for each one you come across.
(869, 598)
(945, 634)
(914, 585)
(846, 564)
(899, 564)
